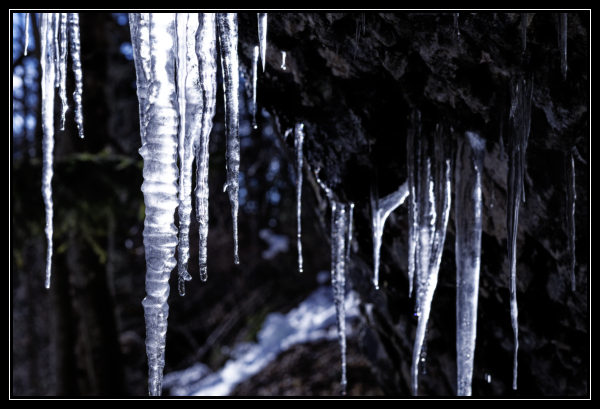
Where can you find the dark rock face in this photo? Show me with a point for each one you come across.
(355, 98)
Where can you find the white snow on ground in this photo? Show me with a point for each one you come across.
(312, 320)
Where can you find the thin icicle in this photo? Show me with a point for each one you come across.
(520, 120)
(48, 74)
(467, 176)
(524, 30)
(433, 198)
(206, 51)
(349, 235)
(26, 33)
(283, 60)
(56, 31)
(262, 37)
(456, 30)
(228, 37)
(380, 210)
(63, 69)
(159, 152)
(298, 142)
(254, 81)
(338, 278)
(571, 197)
(413, 207)
(562, 43)
(76, 58)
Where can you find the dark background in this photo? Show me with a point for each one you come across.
(85, 336)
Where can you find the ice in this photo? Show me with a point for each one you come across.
(338, 276)
(228, 36)
(456, 30)
(380, 210)
(524, 30)
(562, 43)
(160, 172)
(520, 119)
(48, 73)
(467, 176)
(26, 33)
(298, 142)
(432, 195)
(349, 235)
(283, 60)
(206, 51)
(571, 196)
(254, 80)
(56, 41)
(262, 37)
(63, 69)
(413, 207)
(76, 58)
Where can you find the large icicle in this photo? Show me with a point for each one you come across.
(26, 33)
(562, 43)
(76, 58)
(433, 198)
(524, 30)
(262, 37)
(338, 278)
(571, 196)
(48, 73)
(298, 142)
(467, 176)
(63, 69)
(413, 207)
(254, 81)
(190, 114)
(380, 210)
(228, 37)
(206, 51)
(159, 152)
(520, 120)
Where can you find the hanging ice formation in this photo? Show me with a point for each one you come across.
(467, 177)
(456, 30)
(254, 80)
(26, 33)
(283, 60)
(76, 58)
(298, 142)
(524, 30)
(520, 120)
(63, 69)
(571, 196)
(429, 192)
(206, 50)
(380, 210)
(48, 72)
(262, 37)
(562, 43)
(228, 37)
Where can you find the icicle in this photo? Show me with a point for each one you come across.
(283, 60)
(76, 58)
(520, 120)
(467, 176)
(262, 37)
(524, 30)
(206, 50)
(571, 196)
(56, 31)
(433, 197)
(456, 30)
(48, 73)
(26, 33)
(328, 191)
(254, 80)
(298, 141)
(380, 210)
(338, 279)
(228, 37)
(562, 43)
(159, 152)
(413, 208)
(63, 69)
(349, 236)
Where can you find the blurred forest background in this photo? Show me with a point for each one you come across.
(85, 335)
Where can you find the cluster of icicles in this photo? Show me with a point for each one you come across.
(175, 57)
